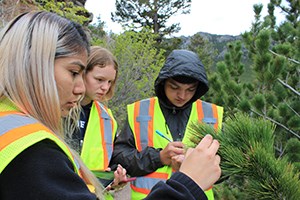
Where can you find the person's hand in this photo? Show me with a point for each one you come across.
(172, 149)
(176, 162)
(202, 164)
(120, 178)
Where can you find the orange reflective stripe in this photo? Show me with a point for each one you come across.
(140, 190)
(150, 123)
(159, 175)
(19, 132)
(215, 114)
(209, 188)
(199, 108)
(101, 122)
(137, 126)
(11, 113)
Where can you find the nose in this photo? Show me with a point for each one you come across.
(105, 86)
(79, 88)
(181, 94)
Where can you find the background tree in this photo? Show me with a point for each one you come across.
(205, 51)
(139, 64)
(272, 91)
(96, 31)
(67, 9)
(136, 14)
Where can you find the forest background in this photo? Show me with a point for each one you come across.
(255, 73)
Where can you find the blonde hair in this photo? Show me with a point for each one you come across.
(29, 45)
(102, 57)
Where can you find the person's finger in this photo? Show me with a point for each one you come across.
(124, 171)
(108, 169)
(177, 144)
(214, 146)
(218, 159)
(205, 142)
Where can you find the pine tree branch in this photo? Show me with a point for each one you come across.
(288, 86)
(294, 111)
(290, 59)
(277, 123)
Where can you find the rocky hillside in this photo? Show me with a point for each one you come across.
(218, 41)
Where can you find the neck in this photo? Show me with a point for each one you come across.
(85, 101)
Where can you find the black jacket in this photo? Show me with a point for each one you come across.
(178, 63)
(43, 171)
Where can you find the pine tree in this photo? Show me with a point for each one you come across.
(270, 92)
(67, 9)
(248, 157)
(154, 14)
(273, 92)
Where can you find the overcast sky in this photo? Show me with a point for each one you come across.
(221, 17)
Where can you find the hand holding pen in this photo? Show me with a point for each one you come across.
(171, 150)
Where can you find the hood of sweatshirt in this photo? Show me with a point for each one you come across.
(181, 63)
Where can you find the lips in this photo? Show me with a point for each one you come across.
(179, 101)
(72, 103)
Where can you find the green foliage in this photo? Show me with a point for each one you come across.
(139, 64)
(259, 102)
(169, 44)
(65, 9)
(292, 152)
(273, 90)
(136, 14)
(97, 32)
(247, 152)
(205, 51)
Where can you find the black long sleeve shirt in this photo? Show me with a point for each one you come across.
(43, 171)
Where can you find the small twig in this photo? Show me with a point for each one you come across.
(290, 59)
(288, 86)
(277, 123)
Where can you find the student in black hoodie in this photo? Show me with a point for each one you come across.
(153, 141)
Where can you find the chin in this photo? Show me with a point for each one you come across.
(64, 112)
(179, 105)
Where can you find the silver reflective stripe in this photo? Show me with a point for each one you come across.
(107, 131)
(208, 117)
(143, 118)
(146, 182)
(12, 121)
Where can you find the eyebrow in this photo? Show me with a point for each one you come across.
(82, 67)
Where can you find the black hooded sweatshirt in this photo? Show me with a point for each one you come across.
(178, 63)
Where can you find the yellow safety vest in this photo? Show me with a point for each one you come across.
(145, 116)
(19, 132)
(98, 140)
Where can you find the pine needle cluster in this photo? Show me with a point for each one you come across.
(247, 153)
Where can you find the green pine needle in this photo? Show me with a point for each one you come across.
(247, 151)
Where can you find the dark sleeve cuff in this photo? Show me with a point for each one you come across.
(155, 157)
(195, 190)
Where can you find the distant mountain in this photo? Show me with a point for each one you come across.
(219, 42)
